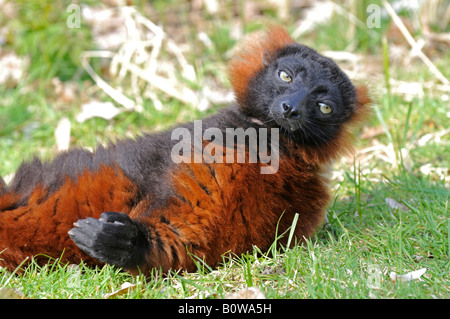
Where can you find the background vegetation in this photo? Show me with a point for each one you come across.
(390, 213)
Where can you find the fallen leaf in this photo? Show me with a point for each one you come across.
(9, 293)
(62, 134)
(124, 288)
(395, 205)
(407, 277)
(442, 172)
(11, 68)
(246, 293)
(105, 110)
(434, 137)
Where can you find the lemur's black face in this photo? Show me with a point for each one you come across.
(303, 93)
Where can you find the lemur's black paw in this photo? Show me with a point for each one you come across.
(113, 238)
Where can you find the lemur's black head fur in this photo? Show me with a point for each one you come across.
(294, 88)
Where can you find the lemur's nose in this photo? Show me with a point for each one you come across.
(292, 105)
(290, 111)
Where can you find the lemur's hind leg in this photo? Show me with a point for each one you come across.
(40, 227)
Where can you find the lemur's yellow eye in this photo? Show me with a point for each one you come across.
(325, 108)
(285, 77)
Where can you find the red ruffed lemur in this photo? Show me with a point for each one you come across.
(132, 205)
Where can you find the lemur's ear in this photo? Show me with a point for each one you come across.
(362, 96)
(253, 55)
(362, 104)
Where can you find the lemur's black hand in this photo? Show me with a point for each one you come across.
(113, 238)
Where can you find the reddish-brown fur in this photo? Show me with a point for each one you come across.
(41, 226)
(241, 205)
(231, 199)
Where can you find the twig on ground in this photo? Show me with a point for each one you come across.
(416, 48)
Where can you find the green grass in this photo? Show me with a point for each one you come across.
(351, 256)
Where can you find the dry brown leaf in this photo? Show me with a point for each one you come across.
(246, 293)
